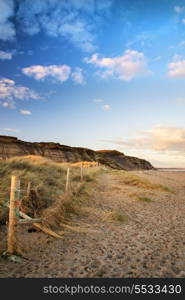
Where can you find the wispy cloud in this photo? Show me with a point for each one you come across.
(179, 9)
(98, 100)
(7, 29)
(158, 58)
(79, 33)
(160, 138)
(145, 38)
(25, 112)
(10, 92)
(5, 55)
(106, 107)
(12, 130)
(75, 20)
(176, 69)
(59, 73)
(72, 19)
(163, 146)
(78, 76)
(125, 67)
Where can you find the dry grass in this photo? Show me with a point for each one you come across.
(85, 164)
(113, 216)
(137, 181)
(79, 229)
(47, 196)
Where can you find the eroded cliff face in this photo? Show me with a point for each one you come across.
(118, 160)
(11, 146)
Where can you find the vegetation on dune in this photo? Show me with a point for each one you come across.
(144, 199)
(114, 216)
(134, 180)
(47, 197)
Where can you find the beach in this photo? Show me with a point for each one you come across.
(131, 226)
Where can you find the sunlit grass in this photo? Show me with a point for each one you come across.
(137, 181)
(48, 181)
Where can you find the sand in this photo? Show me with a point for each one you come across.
(148, 239)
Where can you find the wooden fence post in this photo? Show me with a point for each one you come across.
(67, 181)
(28, 190)
(14, 202)
(81, 172)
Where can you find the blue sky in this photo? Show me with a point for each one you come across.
(102, 74)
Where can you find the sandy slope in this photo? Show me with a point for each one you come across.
(149, 242)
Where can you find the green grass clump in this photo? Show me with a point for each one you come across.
(113, 216)
(144, 199)
(164, 188)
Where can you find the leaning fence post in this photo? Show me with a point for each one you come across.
(67, 181)
(81, 172)
(14, 202)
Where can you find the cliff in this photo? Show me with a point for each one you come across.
(118, 160)
(11, 146)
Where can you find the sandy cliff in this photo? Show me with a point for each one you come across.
(11, 146)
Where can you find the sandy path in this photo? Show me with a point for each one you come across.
(150, 242)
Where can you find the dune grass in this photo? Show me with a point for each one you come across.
(48, 178)
(144, 199)
(137, 181)
(113, 216)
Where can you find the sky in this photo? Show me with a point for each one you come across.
(100, 74)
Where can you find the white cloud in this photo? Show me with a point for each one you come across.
(8, 104)
(176, 69)
(178, 9)
(7, 29)
(10, 92)
(106, 107)
(12, 130)
(166, 138)
(25, 112)
(126, 67)
(60, 73)
(5, 55)
(77, 76)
